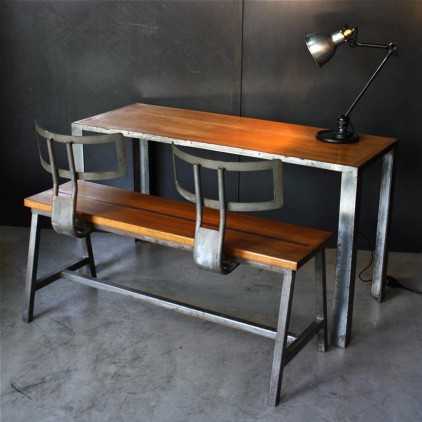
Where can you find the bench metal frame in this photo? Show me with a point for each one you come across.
(286, 345)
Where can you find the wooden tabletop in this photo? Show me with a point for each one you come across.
(239, 135)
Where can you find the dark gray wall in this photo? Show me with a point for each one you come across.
(62, 61)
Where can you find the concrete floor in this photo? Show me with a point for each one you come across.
(97, 356)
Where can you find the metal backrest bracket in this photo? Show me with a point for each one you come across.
(209, 242)
(63, 215)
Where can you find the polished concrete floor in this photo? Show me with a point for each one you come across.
(97, 356)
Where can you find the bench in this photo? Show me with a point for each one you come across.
(261, 242)
(268, 244)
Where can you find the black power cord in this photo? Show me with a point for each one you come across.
(391, 282)
(371, 260)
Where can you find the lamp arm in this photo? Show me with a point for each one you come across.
(356, 43)
(391, 49)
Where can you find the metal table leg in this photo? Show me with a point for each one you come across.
(136, 165)
(78, 150)
(145, 175)
(79, 157)
(140, 159)
(381, 255)
(321, 299)
(140, 167)
(346, 257)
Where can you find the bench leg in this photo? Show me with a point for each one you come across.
(87, 245)
(31, 268)
(281, 337)
(321, 299)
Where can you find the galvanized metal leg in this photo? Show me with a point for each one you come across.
(321, 300)
(281, 337)
(145, 170)
(384, 211)
(140, 160)
(90, 255)
(346, 259)
(136, 165)
(78, 150)
(31, 269)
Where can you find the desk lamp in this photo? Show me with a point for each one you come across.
(322, 48)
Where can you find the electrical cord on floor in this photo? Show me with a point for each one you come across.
(371, 260)
(390, 281)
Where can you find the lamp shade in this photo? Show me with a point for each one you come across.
(322, 46)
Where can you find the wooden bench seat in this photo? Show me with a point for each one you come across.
(258, 241)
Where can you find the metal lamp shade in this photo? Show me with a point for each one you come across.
(321, 46)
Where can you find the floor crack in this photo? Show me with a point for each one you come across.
(20, 391)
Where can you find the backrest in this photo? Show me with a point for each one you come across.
(63, 216)
(209, 243)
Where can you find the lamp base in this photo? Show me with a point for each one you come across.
(336, 137)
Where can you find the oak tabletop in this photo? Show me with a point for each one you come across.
(234, 134)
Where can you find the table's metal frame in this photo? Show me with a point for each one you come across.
(348, 213)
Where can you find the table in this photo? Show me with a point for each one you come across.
(269, 140)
